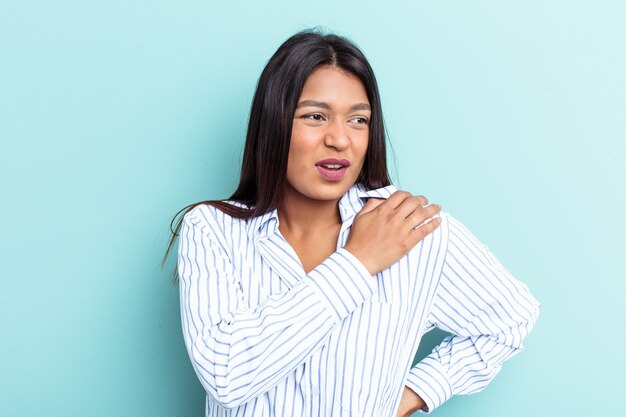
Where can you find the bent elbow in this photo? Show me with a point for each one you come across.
(218, 385)
(223, 392)
(513, 333)
(226, 401)
(525, 325)
(534, 308)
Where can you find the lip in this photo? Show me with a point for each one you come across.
(334, 161)
(332, 174)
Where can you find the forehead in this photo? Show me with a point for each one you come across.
(333, 84)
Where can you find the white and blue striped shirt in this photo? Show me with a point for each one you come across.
(267, 339)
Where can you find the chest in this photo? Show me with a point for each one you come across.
(365, 358)
(312, 249)
(272, 265)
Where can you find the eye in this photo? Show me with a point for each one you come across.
(316, 117)
(363, 121)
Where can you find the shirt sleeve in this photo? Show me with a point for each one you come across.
(486, 310)
(240, 352)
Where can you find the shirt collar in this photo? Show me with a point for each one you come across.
(353, 201)
(264, 225)
(350, 204)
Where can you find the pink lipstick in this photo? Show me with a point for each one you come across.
(332, 169)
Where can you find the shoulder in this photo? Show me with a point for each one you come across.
(203, 216)
(463, 244)
(451, 231)
(209, 215)
(439, 238)
(214, 224)
(455, 231)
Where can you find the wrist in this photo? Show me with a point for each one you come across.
(410, 403)
(365, 260)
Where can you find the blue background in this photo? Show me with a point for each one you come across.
(115, 114)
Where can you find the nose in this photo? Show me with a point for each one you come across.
(337, 135)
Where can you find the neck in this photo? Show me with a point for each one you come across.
(302, 215)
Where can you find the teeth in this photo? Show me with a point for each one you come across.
(332, 166)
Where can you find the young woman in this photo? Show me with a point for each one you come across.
(308, 291)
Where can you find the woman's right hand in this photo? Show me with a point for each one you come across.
(385, 230)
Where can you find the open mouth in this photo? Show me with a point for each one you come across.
(332, 169)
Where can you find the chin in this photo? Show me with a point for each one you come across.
(332, 191)
(315, 188)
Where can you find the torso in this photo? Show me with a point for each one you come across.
(313, 248)
(332, 381)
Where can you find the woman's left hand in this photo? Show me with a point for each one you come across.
(410, 403)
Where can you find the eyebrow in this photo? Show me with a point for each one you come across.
(324, 105)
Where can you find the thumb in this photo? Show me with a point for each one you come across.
(370, 205)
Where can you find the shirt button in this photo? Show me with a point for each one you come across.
(316, 392)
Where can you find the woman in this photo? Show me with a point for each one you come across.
(308, 291)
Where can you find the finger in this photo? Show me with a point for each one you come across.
(423, 213)
(409, 206)
(371, 204)
(422, 200)
(426, 228)
(396, 199)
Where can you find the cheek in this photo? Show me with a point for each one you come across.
(295, 153)
(294, 161)
(301, 145)
(360, 150)
(360, 146)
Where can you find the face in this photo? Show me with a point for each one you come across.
(329, 137)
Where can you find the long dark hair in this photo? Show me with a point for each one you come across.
(264, 167)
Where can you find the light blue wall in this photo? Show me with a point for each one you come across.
(115, 114)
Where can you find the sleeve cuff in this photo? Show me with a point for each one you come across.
(342, 283)
(428, 379)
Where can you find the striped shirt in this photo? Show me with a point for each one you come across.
(267, 339)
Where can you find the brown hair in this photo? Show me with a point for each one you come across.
(264, 167)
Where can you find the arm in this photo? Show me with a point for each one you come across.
(240, 352)
(409, 403)
(487, 311)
